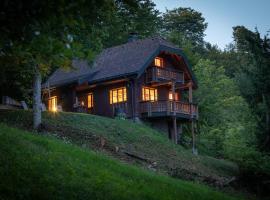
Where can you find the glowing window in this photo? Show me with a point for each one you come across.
(90, 100)
(159, 62)
(149, 94)
(52, 104)
(176, 97)
(118, 95)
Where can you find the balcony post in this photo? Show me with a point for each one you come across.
(173, 97)
(175, 130)
(190, 97)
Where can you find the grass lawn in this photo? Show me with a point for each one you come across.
(36, 166)
(86, 130)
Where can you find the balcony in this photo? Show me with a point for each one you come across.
(169, 108)
(159, 74)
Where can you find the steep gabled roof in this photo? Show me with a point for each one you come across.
(127, 59)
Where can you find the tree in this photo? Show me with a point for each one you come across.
(255, 73)
(224, 114)
(43, 35)
(187, 23)
(138, 16)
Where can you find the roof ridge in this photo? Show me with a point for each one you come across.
(135, 41)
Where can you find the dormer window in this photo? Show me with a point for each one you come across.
(159, 62)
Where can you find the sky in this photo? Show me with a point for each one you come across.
(222, 15)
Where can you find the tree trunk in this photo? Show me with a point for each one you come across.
(37, 99)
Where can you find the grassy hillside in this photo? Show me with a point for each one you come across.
(40, 167)
(131, 142)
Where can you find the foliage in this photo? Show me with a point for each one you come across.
(225, 116)
(39, 167)
(188, 23)
(255, 72)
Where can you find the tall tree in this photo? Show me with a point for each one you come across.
(42, 35)
(224, 114)
(186, 23)
(254, 76)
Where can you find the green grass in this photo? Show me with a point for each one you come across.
(41, 167)
(86, 130)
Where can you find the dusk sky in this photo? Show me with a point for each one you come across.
(222, 15)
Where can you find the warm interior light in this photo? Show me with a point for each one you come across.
(176, 97)
(159, 62)
(149, 94)
(118, 95)
(52, 104)
(90, 100)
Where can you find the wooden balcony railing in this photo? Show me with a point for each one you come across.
(156, 74)
(168, 108)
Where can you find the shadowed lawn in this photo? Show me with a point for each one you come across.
(41, 167)
(84, 130)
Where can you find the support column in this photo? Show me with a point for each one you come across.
(194, 150)
(173, 98)
(175, 130)
(190, 96)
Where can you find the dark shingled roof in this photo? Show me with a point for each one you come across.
(127, 59)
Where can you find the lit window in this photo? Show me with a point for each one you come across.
(118, 95)
(52, 104)
(90, 100)
(159, 62)
(176, 97)
(149, 94)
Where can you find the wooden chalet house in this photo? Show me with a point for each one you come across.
(145, 80)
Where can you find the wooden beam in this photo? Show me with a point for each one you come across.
(175, 130)
(194, 151)
(161, 83)
(190, 96)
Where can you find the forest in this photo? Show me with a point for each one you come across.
(38, 37)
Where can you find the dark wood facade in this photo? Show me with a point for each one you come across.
(171, 105)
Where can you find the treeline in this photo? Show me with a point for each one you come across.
(234, 88)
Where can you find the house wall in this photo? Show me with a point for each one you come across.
(102, 104)
(101, 94)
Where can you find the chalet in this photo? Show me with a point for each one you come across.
(146, 80)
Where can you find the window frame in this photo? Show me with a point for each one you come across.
(118, 95)
(146, 94)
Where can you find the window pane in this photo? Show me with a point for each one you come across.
(114, 100)
(90, 100)
(158, 62)
(125, 94)
(120, 95)
(147, 94)
(152, 94)
(170, 96)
